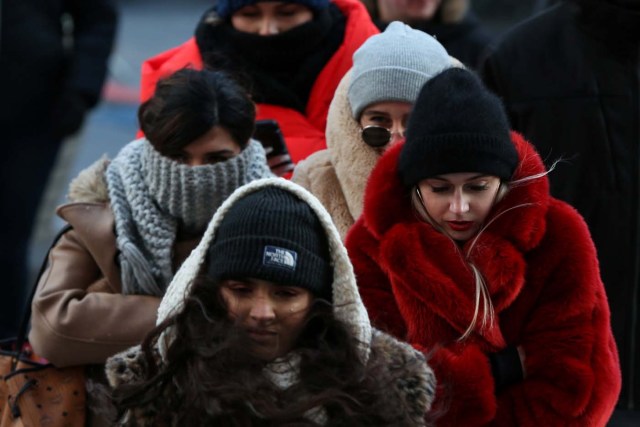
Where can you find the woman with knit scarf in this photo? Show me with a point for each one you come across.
(263, 326)
(134, 219)
(291, 55)
(462, 252)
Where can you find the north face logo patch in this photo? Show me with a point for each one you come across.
(280, 257)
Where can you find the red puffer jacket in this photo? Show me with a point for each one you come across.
(304, 134)
(541, 270)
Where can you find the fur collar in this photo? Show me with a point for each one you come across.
(90, 185)
(525, 228)
(417, 253)
(352, 159)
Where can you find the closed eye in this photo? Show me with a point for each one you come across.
(439, 189)
(286, 293)
(478, 187)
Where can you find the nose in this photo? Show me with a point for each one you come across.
(262, 309)
(397, 131)
(195, 161)
(268, 27)
(459, 202)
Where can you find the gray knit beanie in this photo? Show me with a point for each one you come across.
(393, 66)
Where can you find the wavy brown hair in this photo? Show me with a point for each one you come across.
(210, 378)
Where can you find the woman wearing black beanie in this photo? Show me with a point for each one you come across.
(477, 263)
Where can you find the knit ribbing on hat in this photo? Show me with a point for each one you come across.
(393, 66)
(273, 235)
(226, 8)
(193, 193)
(146, 222)
(457, 125)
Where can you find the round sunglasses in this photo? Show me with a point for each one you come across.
(377, 136)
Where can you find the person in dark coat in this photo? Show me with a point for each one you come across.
(570, 80)
(449, 21)
(52, 69)
(461, 251)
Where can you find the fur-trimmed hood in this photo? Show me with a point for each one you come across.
(348, 306)
(417, 387)
(338, 175)
(90, 186)
(352, 159)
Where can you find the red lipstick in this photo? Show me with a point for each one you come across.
(460, 225)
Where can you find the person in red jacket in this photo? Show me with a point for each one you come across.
(477, 264)
(291, 55)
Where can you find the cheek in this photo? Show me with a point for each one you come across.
(232, 304)
(436, 207)
(246, 25)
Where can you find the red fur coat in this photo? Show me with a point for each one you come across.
(540, 267)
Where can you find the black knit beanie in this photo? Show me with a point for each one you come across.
(272, 235)
(456, 125)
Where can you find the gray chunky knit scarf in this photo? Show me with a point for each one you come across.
(152, 195)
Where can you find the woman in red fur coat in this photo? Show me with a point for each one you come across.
(462, 252)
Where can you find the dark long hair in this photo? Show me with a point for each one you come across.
(209, 377)
(188, 103)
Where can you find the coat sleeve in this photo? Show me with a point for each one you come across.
(571, 362)
(77, 318)
(373, 283)
(94, 31)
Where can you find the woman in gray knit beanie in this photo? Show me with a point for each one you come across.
(368, 114)
(134, 219)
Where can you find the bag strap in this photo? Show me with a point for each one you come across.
(26, 316)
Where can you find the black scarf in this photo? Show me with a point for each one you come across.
(279, 69)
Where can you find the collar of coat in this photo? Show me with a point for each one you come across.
(351, 158)
(413, 253)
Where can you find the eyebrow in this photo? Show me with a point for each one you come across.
(224, 151)
(371, 112)
(473, 178)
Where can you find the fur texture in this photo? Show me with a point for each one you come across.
(90, 185)
(541, 270)
(338, 175)
(416, 388)
(414, 392)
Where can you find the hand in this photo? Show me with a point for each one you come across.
(281, 164)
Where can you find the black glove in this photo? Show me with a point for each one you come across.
(506, 367)
(68, 114)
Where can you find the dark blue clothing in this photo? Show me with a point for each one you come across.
(53, 62)
(570, 80)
